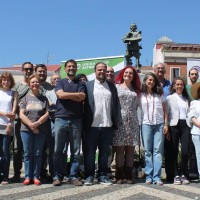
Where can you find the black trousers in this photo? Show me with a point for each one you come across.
(169, 160)
(180, 133)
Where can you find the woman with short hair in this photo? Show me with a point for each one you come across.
(33, 114)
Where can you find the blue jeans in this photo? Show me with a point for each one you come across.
(33, 149)
(67, 131)
(196, 141)
(100, 137)
(5, 141)
(153, 142)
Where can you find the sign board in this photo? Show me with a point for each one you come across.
(192, 63)
(86, 66)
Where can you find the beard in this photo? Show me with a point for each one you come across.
(102, 77)
(43, 78)
(71, 73)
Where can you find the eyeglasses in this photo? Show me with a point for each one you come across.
(30, 69)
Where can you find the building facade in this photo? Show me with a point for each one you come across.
(175, 56)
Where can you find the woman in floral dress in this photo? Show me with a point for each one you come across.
(127, 135)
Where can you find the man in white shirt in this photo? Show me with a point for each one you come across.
(99, 124)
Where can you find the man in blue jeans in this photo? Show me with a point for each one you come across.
(68, 123)
(99, 124)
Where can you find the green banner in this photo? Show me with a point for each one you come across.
(86, 66)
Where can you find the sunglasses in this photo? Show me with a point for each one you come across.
(30, 69)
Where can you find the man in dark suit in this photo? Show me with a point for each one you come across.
(99, 124)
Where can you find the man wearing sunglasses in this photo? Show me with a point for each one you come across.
(22, 88)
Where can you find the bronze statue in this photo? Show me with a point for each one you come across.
(132, 39)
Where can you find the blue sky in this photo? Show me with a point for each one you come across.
(63, 29)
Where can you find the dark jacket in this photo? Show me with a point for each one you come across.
(89, 105)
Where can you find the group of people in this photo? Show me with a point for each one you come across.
(43, 119)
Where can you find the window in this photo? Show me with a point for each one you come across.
(175, 72)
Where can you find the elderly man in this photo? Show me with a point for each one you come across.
(160, 71)
(68, 123)
(99, 124)
(51, 94)
(110, 74)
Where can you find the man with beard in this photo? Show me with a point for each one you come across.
(193, 171)
(193, 76)
(41, 71)
(22, 89)
(100, 120)
(68, 124)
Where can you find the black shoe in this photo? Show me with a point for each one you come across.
(169, 179)
(46, 178)
(89, 181)
(15, 179)
(104, 180)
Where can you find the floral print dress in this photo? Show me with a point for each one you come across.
(128, 125)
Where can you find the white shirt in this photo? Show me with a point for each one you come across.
(194, 112)
(51, 96)
(182, 105)
(5, 105)
(152, 109)
(102, 105)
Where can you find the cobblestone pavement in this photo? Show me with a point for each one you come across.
(66, 191)
(139, 191)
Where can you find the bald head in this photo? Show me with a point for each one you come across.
(110, 74)
(54, 79)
